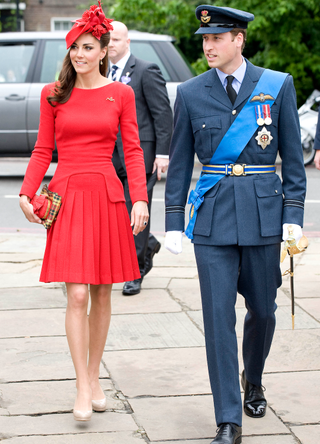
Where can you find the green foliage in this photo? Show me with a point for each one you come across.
(173, 17)
(284, 36)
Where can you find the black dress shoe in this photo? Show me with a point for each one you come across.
(255, 404)
(148, 262)
(131, 288)
(228, 433)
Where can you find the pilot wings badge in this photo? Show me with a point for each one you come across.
(261, 98)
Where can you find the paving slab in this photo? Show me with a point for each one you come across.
(192, 417)
(308, 434)
(36, 359)
(81, 438)
(176, 272)
(294, 351)
(149, 283)
(31, 398)
(306, 289)
(64, 424)
(312, 306)
(186, 292)
(16, 268)
(295, 397)
(20, 257)
(42, 322)
(32, 298)
(22, 243)
(155, 330)
(166, 372)
(28, 279)
(258, 439)
(147, 301)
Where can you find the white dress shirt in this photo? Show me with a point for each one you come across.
(238, 76)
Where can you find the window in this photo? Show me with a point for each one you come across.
(145, 51)
(62, 23)
(15, 61)
(54, 53)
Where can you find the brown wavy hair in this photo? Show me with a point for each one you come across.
(67, 77)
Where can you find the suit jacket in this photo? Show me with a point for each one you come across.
(244, 210)
(317, 138)
(154, 113)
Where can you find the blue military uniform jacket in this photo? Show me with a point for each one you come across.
(245, 210)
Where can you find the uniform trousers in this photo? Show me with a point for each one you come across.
(254, 272)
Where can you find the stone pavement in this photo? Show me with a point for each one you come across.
(154, 369)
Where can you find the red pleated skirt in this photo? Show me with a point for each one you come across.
(91, 242)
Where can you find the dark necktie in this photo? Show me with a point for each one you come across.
(230, 91)
(114, 72)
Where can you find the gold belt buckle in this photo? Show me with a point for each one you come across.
(237, 169)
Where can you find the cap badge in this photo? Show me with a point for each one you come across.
(264, 138)
(261, 98)
(205, 17)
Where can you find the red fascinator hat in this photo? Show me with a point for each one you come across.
(93, 20)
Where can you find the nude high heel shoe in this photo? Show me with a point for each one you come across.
(100, 405)
(79, 415)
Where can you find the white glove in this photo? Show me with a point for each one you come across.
(297, 232)
(173, 241)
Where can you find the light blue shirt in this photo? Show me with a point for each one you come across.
(238, 76)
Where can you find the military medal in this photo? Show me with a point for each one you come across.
(267, 114)
(264, 138)
(259, 118)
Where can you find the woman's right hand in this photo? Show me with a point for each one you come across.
(27, 209)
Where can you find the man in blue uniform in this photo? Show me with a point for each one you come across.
(236, 117)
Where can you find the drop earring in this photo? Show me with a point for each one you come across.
(101, 62)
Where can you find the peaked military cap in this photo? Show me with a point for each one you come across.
(216, 19)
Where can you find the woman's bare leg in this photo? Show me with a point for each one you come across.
(77, 329)
(99, 321)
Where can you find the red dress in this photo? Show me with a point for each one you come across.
(91, 241)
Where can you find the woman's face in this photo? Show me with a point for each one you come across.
(86, 53)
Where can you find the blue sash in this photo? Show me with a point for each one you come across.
(234, 141)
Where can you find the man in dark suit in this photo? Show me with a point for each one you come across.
(236, 117)
(154, 117)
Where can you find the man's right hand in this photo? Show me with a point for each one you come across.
(173, 241)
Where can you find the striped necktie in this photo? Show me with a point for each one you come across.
(114, 72)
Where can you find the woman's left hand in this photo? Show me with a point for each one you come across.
(139, 216)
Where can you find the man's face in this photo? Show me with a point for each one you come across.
(223, 51)
(119, 45)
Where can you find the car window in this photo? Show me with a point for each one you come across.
(15, 61)
(54, 53)
(145, 51)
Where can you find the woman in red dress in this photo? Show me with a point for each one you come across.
(91, 240)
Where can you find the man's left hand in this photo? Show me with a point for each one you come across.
(161, 165)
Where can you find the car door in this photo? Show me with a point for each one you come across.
(50, 58)
(17, 61)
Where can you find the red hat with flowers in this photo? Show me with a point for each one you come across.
(93, 20)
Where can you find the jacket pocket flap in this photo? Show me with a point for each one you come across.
(213, 191)
(268, 188)
(206, 123)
